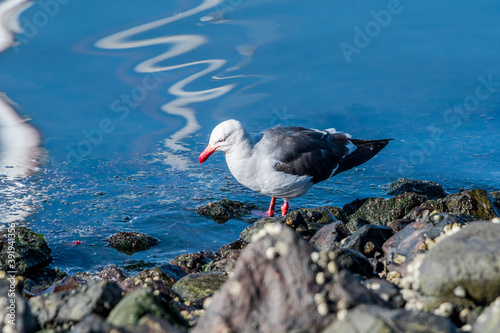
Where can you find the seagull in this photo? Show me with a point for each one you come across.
(285, 162)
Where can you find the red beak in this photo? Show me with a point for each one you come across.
(206, 153)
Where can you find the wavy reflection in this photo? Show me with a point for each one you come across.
(179, 44)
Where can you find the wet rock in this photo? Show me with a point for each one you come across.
(489, 320)
(224, 210)
(194, 262)
(374, 319)
(108, 273)
(431, 190)
(42, 279)
(462, 269)
(198, 286)
(337, 212)
(476, 203)
(23, 250)
(416, 238)
(329, 236)
(63, 309)
(141, 302)
(167, 273)
(279, 285)
(351, 260)
(225, 261)
(305, 221)
(66, 283)
(131, 242)
(15, 314)
(381, 211)
(386, 290)
(368, 240)
(132, 265)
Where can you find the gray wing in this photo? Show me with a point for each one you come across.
(306, 152)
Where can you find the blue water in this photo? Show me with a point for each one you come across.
(125, 95)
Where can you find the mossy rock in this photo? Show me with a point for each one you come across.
(381, 211)
(224, 210)
(23, 250)
(198, 286)
(142, 302)
(431, 190)
(131, 242)
(476, 203)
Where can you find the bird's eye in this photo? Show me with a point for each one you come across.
(222, 140)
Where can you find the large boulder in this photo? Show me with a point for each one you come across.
(461, 269)
(279, 285)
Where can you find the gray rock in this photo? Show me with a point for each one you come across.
(280, 285)
(23, 250)
(401, 248)
(142, 302)
(67, 307)
(15, 314)
(329, 236)
(193, 262)
(489, 320)
(167, 273)
(386, 290)
(431, 190)
(374, 319)
(351, 260)
(368, 240)
(466, 261)
(131, 242)
(198, 286)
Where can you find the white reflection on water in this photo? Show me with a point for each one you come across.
(19, 153)
(178, 45)
(9, 21)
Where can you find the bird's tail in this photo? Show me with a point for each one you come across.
(365, 150)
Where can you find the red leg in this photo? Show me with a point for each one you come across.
(284, 208)
(270, 212)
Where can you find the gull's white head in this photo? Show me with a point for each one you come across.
(224, 137)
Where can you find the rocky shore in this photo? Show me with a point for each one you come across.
(420, 261)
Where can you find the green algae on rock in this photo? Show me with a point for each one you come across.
(130, 242)
(23, 250)
(198, 286)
